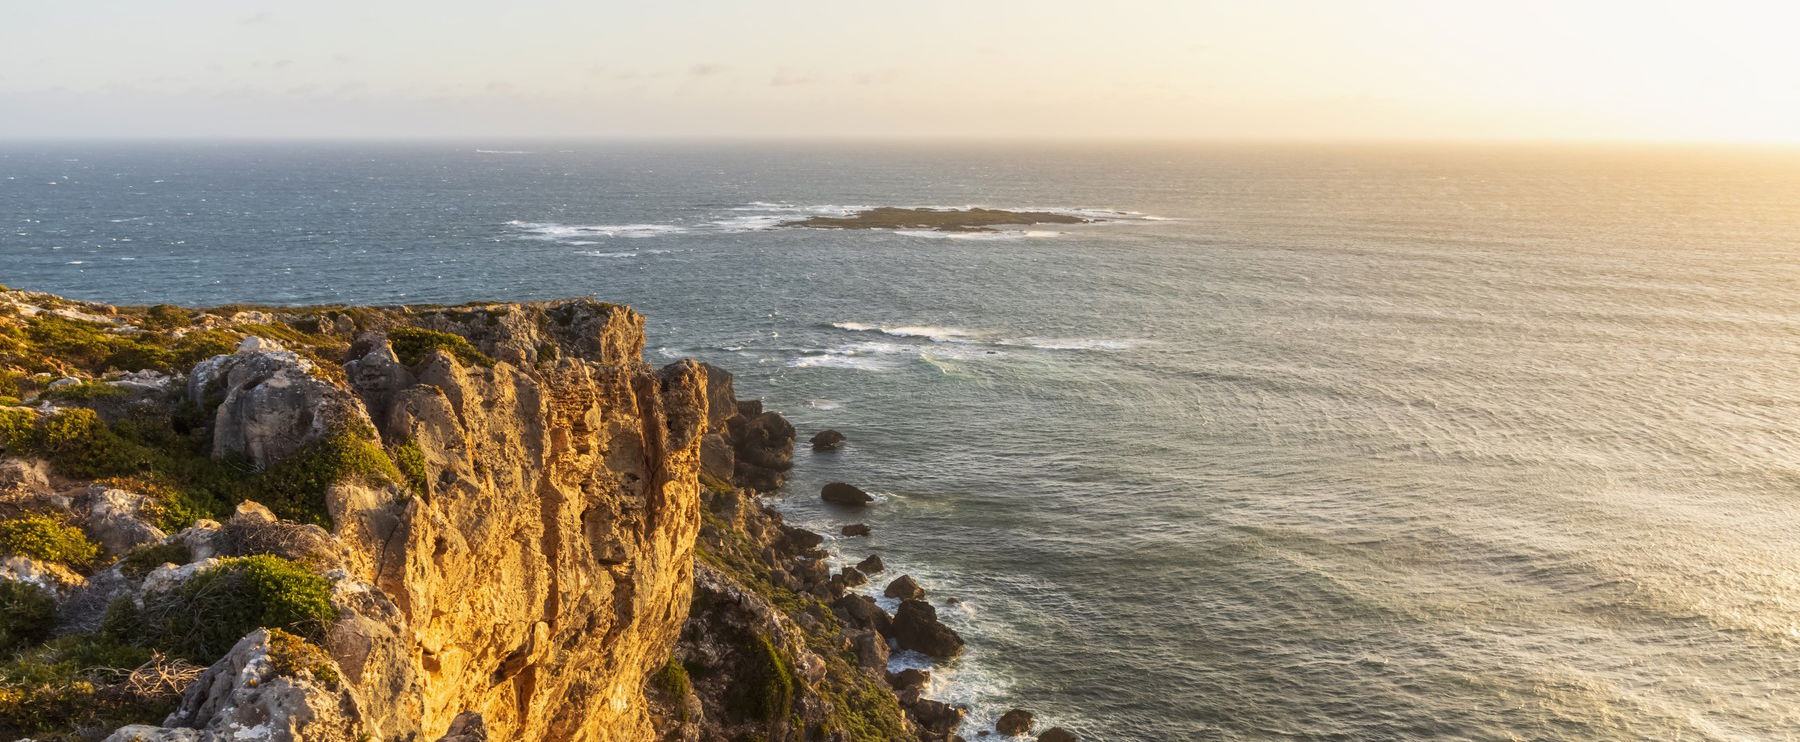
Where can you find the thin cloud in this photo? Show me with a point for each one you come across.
(706, 70)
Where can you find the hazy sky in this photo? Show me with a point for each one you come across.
(1397, 69)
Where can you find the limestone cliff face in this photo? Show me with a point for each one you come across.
(546, 565)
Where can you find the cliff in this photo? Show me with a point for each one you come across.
(410, 523)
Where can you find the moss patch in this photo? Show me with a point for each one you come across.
(766, 689)
(412, 344)
(410, 461)
(294, 656)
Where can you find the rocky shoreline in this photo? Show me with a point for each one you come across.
(420, 523)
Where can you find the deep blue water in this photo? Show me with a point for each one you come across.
(1309, 443)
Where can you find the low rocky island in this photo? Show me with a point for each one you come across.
(940, 220)
(488, 521)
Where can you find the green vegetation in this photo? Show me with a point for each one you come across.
(86, 391)
(206, 615)
(145, 559)
(292, 655)
(43, 537)
(74, 441)
(410, 460)
(714, 484)
(767, 689)
(295, 487)
(78, 688)
(411, 345)
(26, 613)
(672, 680)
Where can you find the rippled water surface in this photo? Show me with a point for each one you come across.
(1306, 444)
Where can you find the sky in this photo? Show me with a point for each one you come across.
(1629, 70)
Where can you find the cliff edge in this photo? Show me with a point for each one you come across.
(489, 521)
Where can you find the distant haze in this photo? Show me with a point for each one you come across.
(1718, 70)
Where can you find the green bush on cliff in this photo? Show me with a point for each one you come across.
(294, 488)
(75, 441)
(766, 689)
(673, 680)
(26, 614)
(410, 460)
(78, 688)
(412, 344)
(43, 537)
(291, 655)
(206, 615)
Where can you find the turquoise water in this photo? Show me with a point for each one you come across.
(1308, 443)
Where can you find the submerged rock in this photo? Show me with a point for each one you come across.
(916, 627)
(839, 493)
(827, 440)
(855, 529)
(1058, 734)
(1015, 723)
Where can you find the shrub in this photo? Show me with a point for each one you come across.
(673, 680)
(166, 317)
(74, 441)
(209, 613)
(412, 344)
(80, 687)
(145, 559)
(43, 537)
(294, 488)
(26, 615)
(86, 391)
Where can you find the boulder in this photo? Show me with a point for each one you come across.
(828, 440)
(466, 727)
(839, 493)
(853, 578)
(861, 611)
(936, 717)
(871, 650)
(856, 529)
(1015, 723)
(904, 587)
(256, 687)
(916, 627)
(802, 539)
(115, 519)
(1058, 734)
(871, 565)
(909, 679)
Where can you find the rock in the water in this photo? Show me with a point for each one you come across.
(1016, 722)
(856, 529)
(839, 493)
(904, 587)
(829, 440)
(853, 577)
(1058, 734)
(935, 716)
(916, 627)
(909, 678)
(871, 565)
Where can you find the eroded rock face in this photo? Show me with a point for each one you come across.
(532, 571)
(544, 569)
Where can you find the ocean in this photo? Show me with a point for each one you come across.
(1302, 442)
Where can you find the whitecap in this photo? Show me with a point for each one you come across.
(1099, 344)
(934, 334)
